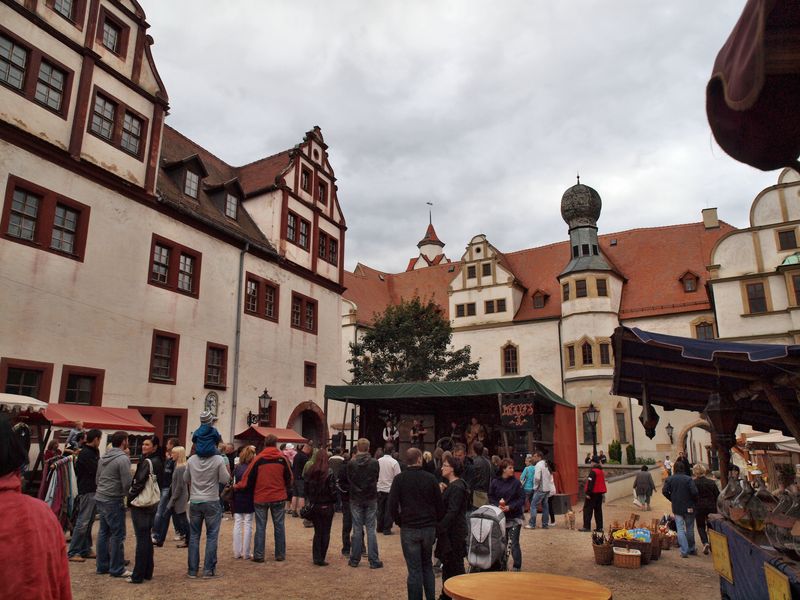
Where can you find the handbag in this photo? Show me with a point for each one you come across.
(226, 495)
(307, 511)
(150, 494)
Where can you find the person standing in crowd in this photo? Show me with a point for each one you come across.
(594, 491)
(602, 458)
(451, 545)
(415, 503)
(506, 492)
(267, 479)
(543, 487)
(588, 459)
(526, 480)
(645, 486)
(74, 433)
(682, 492)
(53, 451)
(298, 487)
(460, 452)
(390, 433)
(557, 485)
(668, 465)
(321, 494)
(243, 507)
(179, 498)
(33, 557)
(205, 475)
(362, 475)
(417, 435)
(343, 487)
(707, 494)
(289, 451)
(389, 468)
(113, 483)
(336, 462)
(481, 476)
(687, 466)
(143, 517)
(161, 523)
(230, 454)
(80, 546)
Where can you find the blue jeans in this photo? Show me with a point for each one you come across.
(161, 523)
(278, 510)
(364, 515)
(111, 538)
(685, 526)
(516, 552)
(540, 497)
(417, 547)
(81, 542)
(211, 513)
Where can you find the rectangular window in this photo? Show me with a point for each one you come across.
(565, 291)
(580, 288)
(571, 355)
(175, 267)
(501, 305)
(587, 354)
(704, 331)
(66, 8)
(756, 298)
(261, 297)
(297, 230)
(322, 249)
(510, 360)
(50, 86)
(131, 133)
(471, 272)
(81, 385)
(796, 286)
(602, 290)
(191, 184)
(302, 240)
(305, 179)
(622, 430)
(787, 240)
(270, 301)
(322, 193)
(333, 251)
(310, 374)
(79, 389)
(122, 127)
(231, 206)
(112, 36)
(538, 301)
(172, 426)
(585, 249)
(488, 307)
(486, 269)
(460, 310)
(471, 309)
(26, 377)
(605, 354)
(304, 313)
(291, 227)
(103, 116)
(38, 217)
(689, 283)
(216, 365)
(164, 357)
(588, 430)
(13, 59)
(251, 296)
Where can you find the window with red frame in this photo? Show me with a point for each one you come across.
(112, 33)
(175, 267)
(322, 192)
(26, 377)
(216, 365)
(305, 180)
(164, 357)
(310, 374)
(333, 251)
(81, 385)
(261, 297)
(297, 230)
(304, 313)
(118, 124)
(510, 362)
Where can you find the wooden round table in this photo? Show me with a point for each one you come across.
(524, 585)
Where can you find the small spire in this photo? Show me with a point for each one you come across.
(579, 177)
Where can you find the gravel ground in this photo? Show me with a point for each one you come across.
(557, 550)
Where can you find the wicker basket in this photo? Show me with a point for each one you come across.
(655, 547)
(667, 541)
(627, 559)
(603, 554)
(645, 548)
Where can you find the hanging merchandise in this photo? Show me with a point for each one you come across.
(60, 488)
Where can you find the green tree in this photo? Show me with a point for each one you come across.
(410, 341)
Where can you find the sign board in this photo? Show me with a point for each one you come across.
(777, 584)
(516, 411)
(720, 554)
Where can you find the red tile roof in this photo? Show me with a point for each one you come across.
(651, 259)
(262, 173)
(430, 237)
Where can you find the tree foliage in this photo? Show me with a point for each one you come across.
(408, 342)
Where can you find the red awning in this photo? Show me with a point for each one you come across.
(97, 417)
(256, 433)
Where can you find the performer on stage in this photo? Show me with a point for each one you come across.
(391, 433)
(418, 432)
(475, 433)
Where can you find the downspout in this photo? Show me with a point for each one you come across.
(630, 415)
(238, 339)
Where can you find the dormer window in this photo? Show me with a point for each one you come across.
(538, 300)
(231, 206)
(191, 184)
(575, 252)
(585, 249)
(689, 282)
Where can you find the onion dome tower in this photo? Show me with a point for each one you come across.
(580, 209)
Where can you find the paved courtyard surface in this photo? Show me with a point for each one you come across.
(557, 550)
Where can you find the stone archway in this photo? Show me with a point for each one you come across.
(311, 411)
(684, 434)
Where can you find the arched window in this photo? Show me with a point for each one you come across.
(586, 352)
(510, 360)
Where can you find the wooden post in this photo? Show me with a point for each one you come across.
(723, 416)
(505, 433)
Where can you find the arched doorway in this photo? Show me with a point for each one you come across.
(308, 420)
(695, 440)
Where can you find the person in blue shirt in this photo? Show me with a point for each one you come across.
(206, 437)
(526, 479)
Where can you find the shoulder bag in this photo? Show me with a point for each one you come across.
(150, 494)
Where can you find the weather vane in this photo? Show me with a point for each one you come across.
(430, 216)
(579, 177)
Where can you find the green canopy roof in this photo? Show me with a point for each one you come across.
(441, 389)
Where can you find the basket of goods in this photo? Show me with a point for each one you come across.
(655, 545)
(634, 539)
(667, 537)
(627, 558)
(603, 551)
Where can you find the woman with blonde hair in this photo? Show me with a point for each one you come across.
(179, 497)
(243, 507)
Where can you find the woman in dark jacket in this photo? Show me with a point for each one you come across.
(508, 489)
(243, 507)
(707, 493)
(321, 493)
(143, 518)
(451, 544)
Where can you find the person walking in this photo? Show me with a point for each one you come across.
(595, 491)
(321, 494)
(682, 492)
(179, 498)
(80, 546)
(113, 483)
(205, 475)
(336, 462)
(143, 517)
(343, 486)
(543, 487)
(243, 507)
(362, 475)
(298, 465)
(388, 469)
(451, 545)
(526, 480)
(707, 494)
(644, 487)
(506, 492)
(267, 478)
(415, 503)
(161, 522)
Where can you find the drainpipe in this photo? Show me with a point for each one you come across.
(238, 341)
(630, 417)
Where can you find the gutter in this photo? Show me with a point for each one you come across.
(238, 340)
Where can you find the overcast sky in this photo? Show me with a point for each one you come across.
(485, 109)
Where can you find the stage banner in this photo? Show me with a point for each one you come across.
(516, 411)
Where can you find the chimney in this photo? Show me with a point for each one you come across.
(710, 219)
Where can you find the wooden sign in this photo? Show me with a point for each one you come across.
(720, 554)
(777, 584)
(516, 411)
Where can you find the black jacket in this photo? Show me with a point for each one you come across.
(142, 473)
(452, 529)
(481, 474)
(165, 481)
(707, 494)
(343, 483)
(682, 492)
(321, 492)
(362, 473)
(415, 500)
(86, 469)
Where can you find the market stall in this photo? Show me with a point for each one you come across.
(255, 435)
(514, 415)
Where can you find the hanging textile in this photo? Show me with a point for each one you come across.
(60, 488)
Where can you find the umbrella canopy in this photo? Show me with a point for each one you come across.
(17, 403)
(97, 417)
(256, 433)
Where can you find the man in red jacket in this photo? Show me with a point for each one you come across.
(595, 490)
(268, 477)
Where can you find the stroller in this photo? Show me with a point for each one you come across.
(488, 546)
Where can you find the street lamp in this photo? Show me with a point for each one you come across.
(263, 409)
(592, 413)
(669, 429)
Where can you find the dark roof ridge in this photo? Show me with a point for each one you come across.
(191, 141)
(258, 160)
